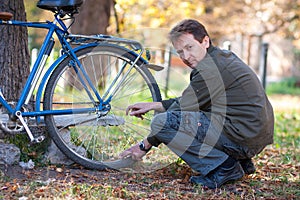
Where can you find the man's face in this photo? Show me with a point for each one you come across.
(190, 50)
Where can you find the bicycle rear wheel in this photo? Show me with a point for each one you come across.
(95, 139)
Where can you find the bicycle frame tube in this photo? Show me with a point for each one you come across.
(58, 112)
(39, 63)
(41, 59)
(73, 55)
(31, 81)
(48, 73)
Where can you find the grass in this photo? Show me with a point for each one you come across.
(286, 86)
(277, 175)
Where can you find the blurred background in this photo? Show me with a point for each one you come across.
(264, 33)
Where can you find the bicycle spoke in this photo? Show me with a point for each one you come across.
(98, 137)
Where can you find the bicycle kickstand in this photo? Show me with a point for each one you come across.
(32, 138)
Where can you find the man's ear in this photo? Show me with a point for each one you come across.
(205, 41)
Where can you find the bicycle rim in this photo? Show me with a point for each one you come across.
(89, 139)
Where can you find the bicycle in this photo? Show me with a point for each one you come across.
(82, 96)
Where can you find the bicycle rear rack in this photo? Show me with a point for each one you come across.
(85, 39)
(136, 46)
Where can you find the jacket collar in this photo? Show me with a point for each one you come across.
(210, 49)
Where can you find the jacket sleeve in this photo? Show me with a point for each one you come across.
(167, 103)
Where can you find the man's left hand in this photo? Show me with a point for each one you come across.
(134, 152)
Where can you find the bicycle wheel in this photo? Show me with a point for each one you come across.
(94, 139)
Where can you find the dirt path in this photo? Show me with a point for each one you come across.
(54, 173)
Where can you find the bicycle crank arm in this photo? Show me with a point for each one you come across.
(32, 138)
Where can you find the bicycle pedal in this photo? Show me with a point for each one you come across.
(38, 140)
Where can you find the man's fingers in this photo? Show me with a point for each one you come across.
(125, 154)
(131, 154)
(136, 157)
(139, 116)
(128, 109)
(134, 152)
(132, 109)
(137, 112)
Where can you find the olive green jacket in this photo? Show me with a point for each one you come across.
(230, 94)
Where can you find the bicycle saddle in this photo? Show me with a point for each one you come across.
(68, 6)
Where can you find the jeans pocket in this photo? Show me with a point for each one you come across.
(173, 119)
(189, 123)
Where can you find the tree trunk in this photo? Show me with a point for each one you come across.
(93, 17)
(14, 54)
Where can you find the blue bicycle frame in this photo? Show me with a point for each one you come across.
(40, 62)
(42, 57)
(63, 35)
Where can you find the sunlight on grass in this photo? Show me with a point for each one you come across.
(280, 162)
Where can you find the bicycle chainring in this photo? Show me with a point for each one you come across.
(8, 125)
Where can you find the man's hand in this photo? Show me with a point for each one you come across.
(135, 152)
(139, 109)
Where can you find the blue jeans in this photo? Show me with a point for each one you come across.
(196, 140)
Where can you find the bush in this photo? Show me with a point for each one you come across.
(286, 86)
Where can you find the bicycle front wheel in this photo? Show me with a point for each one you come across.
(94, 139)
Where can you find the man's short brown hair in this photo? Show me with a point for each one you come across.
(190, 26)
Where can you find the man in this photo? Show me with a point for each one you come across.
(222, 119)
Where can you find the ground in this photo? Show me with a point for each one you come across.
(172, 182)
(277, 176)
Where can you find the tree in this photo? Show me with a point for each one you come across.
(33, 14)
(93, 17)
(14, 54)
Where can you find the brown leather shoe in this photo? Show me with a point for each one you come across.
(219, 176)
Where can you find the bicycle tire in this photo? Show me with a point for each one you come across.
(97, 142)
